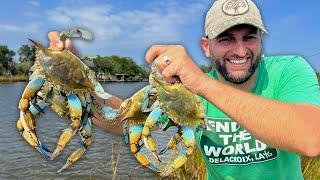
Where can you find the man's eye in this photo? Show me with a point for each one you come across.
(225, 39)
(249, 37)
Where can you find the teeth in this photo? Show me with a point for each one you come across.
(241, 61)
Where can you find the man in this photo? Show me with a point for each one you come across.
(262, 111)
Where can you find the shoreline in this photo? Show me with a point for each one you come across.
(24, 78)
(18, 78)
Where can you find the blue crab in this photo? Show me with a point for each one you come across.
(63, 82)
(162, 105)
(184, 111)
(132, 112)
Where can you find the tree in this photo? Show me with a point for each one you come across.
(118, 65)
(26, 58)
(26, 53)
(6, 56)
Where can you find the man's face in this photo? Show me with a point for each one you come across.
(236, 53)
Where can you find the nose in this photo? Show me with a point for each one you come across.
(240, 49)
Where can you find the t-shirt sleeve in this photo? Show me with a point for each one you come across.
(299, 83)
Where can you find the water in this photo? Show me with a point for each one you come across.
(18, 160)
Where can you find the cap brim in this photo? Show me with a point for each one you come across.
(238, 21)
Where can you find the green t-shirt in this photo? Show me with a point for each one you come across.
(230, 152)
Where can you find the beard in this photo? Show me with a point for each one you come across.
(237, 78)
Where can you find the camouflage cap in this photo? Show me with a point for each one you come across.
(225, 14)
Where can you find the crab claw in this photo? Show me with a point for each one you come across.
(177, 163)
(149, 124)
(99, 91)
(75, 111)
(76, 33)
(135, 133)
(73, 158)
(30, 135)
(26, 123)
(36, 143)
(145, 162)
(63, 140)
(174, 140)
(86, 140)
(43, 150)
(189, 141)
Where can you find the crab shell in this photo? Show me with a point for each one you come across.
(64, 70)
(130, 109)
(181, 105)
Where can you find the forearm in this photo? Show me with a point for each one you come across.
(116, 127)
(294, 127)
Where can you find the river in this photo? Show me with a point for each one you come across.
(20, 161)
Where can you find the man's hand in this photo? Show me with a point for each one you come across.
(57, 44)
(178, 64)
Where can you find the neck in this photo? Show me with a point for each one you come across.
(246, 86)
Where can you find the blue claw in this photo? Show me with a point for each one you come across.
(37, 108)
(164, 150)
(44, 150)
(154, 168)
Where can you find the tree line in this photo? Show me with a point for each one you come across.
(108, 64)
(8, 67)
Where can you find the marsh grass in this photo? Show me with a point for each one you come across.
(311, 168)
(114, 161)
(16, 78)
(193, 169)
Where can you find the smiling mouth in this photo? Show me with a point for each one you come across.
(238, 61)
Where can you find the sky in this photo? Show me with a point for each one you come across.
(128, 28)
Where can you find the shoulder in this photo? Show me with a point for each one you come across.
(283, 60)
(285, 64)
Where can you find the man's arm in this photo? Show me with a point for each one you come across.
(114, 128)
(289, 126)
(293, 127)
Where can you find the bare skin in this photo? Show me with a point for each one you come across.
(279, 124)
(114, 102)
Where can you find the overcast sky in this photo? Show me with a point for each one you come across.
(129, 27)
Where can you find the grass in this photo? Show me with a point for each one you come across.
(194, 168)
(15, 78)
(311, 168)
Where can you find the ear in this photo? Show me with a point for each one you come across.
(204, 43)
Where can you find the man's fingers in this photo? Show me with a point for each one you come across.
(161, 63)
(53, 36)
(55, 43)
(170, 72)
(155, 51)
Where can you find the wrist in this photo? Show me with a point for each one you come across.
(202, 85)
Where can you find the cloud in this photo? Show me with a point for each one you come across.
(34, 3)
(128, 28)
(30, 14)
(32, 27)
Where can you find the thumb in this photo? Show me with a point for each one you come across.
(55, 43)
